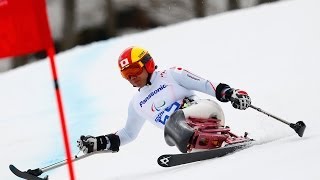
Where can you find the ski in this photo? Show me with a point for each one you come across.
(30, 174)
(170, 160)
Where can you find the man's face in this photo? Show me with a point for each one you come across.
(139, 80)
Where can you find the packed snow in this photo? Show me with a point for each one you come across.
(271, 51)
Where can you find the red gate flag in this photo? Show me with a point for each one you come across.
(24, 29)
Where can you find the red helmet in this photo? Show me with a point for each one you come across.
(136, 54)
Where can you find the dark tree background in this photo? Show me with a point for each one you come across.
(138, 16)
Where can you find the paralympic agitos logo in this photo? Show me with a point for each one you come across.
(163, 86)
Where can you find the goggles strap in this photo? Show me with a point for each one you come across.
(145, 58)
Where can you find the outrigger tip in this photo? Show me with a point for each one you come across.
(299, 127)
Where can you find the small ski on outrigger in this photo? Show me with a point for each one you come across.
(33, 174)
(30, 174)
(170, 160)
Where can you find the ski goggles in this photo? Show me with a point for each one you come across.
(134, 69)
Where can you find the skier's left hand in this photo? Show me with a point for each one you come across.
(239, 99)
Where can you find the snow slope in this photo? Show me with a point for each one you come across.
(272, 51)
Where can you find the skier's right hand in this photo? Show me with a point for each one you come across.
(239, 98)
(88, 144)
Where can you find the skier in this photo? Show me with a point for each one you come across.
(166, 99)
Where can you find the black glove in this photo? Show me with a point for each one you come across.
(239, 98)
(88, 144)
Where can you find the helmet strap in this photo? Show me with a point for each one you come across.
(148, 79)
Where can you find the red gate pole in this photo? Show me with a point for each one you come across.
(51, 52)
